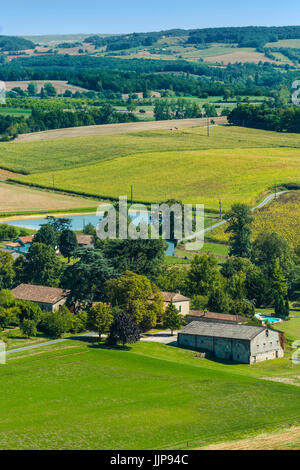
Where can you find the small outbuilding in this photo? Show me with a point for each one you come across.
(48, 298)
(85, 240)
(234, 342)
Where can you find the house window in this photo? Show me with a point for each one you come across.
(179, 308)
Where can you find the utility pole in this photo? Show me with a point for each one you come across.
(208, 127)
(53, 180)
(275, 189)
(220, 206)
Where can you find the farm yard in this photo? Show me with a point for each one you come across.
(101, 413)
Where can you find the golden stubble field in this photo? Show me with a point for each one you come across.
(17, 198)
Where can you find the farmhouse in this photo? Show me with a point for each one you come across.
(202, 315)
(181, 302)
(241, 343)
(48, 298)
(21, 244)
(84, 240)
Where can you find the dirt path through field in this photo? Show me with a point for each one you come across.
(283, 440)
(117, 129)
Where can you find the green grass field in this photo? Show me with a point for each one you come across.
(191, 176)
(42, 156)
(15, 111)
(76, 396)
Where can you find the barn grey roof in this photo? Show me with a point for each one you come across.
(222, 330)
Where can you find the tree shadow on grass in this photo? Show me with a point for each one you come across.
(117, 347)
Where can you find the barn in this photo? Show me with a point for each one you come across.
(234, 342)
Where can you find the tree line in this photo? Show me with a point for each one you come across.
(265, 117)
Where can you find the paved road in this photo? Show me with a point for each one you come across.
(263, 203)
(105, 129)
(164, 337)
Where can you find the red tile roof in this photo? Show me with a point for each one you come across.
(43, 294)
(216, 316)
(26, 239)
(174, 297)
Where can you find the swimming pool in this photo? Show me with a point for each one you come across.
(268, 319)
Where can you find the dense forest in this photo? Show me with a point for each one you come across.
(247, 36)
(12, 43)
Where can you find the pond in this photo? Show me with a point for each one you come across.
(78, 222)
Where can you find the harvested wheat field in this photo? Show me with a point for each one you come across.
(122, 128)
(14, 198)
(283, 440)
(241, 56)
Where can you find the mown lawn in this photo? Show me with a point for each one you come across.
(76, 396)
(202, 176)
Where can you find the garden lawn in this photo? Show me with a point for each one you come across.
(76, 396)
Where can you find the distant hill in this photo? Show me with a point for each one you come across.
(13, 43)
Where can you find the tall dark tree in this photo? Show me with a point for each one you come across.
(67, 243)
(144, 257)
(124, 330)
(41, 266)
(46, 235)
(87, 277)
(239, 226)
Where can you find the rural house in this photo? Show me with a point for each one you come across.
(202, 315)
(48, 298)
(21, 244)
(181, 302)
(241, 343)
(85, 240)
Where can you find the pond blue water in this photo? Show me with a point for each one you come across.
(78, 222)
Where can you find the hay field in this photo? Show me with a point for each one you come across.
(60, 154)
(201, 176)
(14, 198)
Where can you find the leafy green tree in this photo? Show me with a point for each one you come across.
(172, 318)
(218, 301)
(124, 330)
(267, 247)
(100, 318)
(133, 292)
(203, 275)
(32, 88)
(28, 311)
(236, 286)
(5, 318)
(7, 273)
(280, 290)
(67, 243)
(145, 257)
(46, 235)
(42, 267)
(28, 327)
(239, 226)
(55, 324)
(7, 299)
(59, 223)
(87, 277)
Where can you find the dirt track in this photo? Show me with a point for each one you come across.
(284, 440)
(115, 129)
